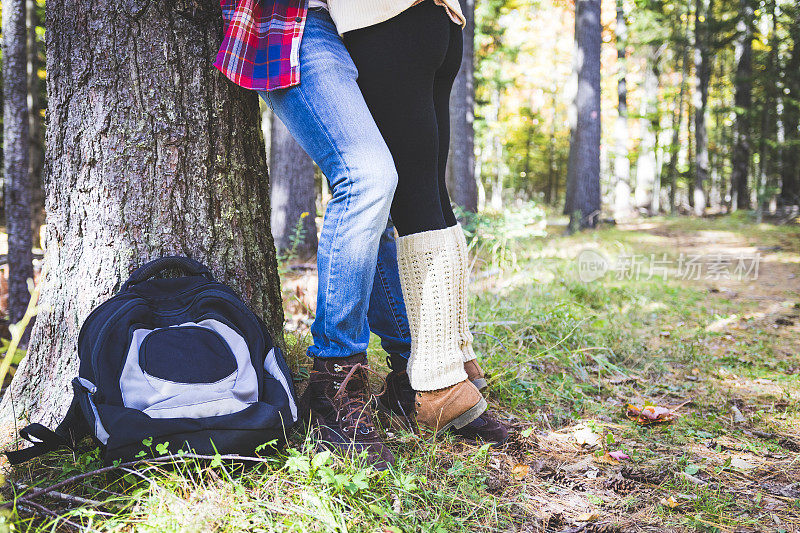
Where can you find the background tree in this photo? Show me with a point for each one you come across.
(16, 144)
(293, 192)
(36, 105)
(702, 53)
(583, 174)
(151, 152)
(622, 165)
(743, 103)
(461, 163)
(790, 120)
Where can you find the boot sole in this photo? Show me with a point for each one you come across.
(480, 383)
(468, 416)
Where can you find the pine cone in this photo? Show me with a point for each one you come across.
(559, 477)
(620, 485)
(495, 485)
(554, 522)
(601, 527)
(654, 477)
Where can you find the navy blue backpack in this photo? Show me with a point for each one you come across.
(179, 363)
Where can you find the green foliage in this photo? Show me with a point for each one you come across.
(296, 239)
(558, 352)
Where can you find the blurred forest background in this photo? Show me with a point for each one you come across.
(698, 101)
(631, 108)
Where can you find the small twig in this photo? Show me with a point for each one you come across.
(106, 469)
(98, 489)
(137, 474)
(41, 509)
(63, 496)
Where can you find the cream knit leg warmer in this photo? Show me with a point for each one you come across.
(430, 266)
(462, 305)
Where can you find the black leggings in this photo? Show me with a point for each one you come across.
(406, 67)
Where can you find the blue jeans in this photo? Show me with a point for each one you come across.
(356, 258)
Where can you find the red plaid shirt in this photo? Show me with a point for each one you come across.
(261, 48)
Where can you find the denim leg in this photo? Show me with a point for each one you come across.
(327, 116)
(387, 310)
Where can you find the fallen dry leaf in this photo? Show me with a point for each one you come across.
(650, 414)
(619, 455)
(670, 502)
(585, 436)
(587, 517)
(606, 459)
(741, 464)
(520, 471)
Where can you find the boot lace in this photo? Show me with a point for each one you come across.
(353, 410)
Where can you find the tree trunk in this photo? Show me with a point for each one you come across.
(462, 186)
(646, 195)
(35, 106)
(716, 191)
(743, 102)
(790, 152)
(583, 182)
(677, 120)
(622, 165)
(551, 193)
(293, 195)
(769, 120)
(151, 152)
(496, 200)
(16, 143)
(702, 19)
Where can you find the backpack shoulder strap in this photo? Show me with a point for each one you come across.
(44, 440)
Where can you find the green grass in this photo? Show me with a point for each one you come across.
(559, 352)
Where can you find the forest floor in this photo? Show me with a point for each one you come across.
(685, 334)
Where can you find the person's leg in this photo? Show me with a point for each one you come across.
(328, 117)
(398, 62)
(388, 320)
(442, 86)
(396, 75)
(387, 310)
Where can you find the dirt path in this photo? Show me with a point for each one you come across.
(742, 473)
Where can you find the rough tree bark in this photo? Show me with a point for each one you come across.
(461, 164)
(702, 52)
(293, 192)
(583, 172)
(150, 152)
(35, 106)
(16, 144)
(743, 102)
(622, 165)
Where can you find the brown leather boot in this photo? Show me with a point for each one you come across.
(341, 409)
(455, 406)
(485, 428)
(398, 396)
(399, 399)
(475, 374)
